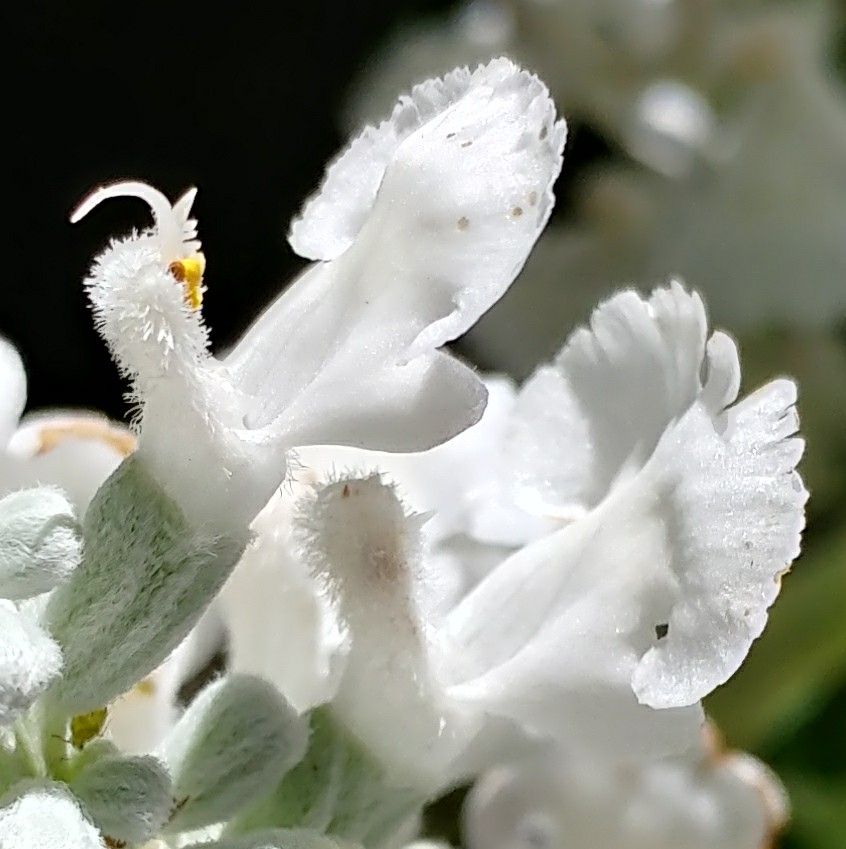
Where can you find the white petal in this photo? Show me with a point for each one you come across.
(464, 189)
(463, 103)
(551, 637)
(75, 450)
(458, 482)
(598, 411)
(12, 390)
(664, 585)
(140, 719)
(280, 626)
(407, 406)
(737, 509)
(46, 816)
(29, 662)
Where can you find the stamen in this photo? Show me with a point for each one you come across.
(189, 272)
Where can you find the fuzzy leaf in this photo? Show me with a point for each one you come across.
(129, 799)
(145, 579)
(234, 743)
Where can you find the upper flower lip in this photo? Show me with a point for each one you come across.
(449, 114)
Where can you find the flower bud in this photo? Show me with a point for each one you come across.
(129, 799)
(234, 743)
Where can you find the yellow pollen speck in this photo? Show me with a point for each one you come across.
(86, 726)
(147, 687)
(189, 272)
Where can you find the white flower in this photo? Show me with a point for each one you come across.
(420, 225)
(686, 511)
(679, 510)
(771, 212)
(75, 450)
(553, 801)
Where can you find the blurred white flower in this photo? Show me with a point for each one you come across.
(598, 56)
(39, 549)
(761, 230)
(705, 800)
(75, 450)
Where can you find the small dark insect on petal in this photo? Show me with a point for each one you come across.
(662, 630)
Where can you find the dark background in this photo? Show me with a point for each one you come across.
(241, 100)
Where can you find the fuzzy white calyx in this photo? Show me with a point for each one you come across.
(129, 799)
(357, 539)
(232, 745)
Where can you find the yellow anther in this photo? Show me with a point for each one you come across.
(86, 726)
(189, 272)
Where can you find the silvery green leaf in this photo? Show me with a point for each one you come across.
(145, 579)
(337, 788)
(128, 798)
(232, 745)
(45, 816)
(39, 542)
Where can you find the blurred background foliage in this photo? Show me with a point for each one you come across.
(707, 140)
